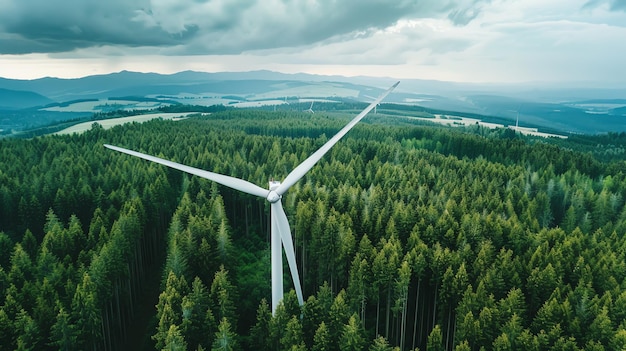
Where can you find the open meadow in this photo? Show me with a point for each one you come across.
(110, 123)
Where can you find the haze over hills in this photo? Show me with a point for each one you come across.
(566, 110)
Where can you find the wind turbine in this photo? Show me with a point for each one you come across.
(519, 107)
(310, 108)
(280, 232)
(372, 99)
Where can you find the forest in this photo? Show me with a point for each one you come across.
(408, 237)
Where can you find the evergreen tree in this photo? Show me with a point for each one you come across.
(321, 340)
(63, 333)
(174, 340)
(435, 340)
(86, 315)
(260, 333)
(169, 308)
(380, 344)
(352, 336)
(6, 329)
(223, 295)
(198, 323)
(225, 338)
(464, 346)
(292, 337)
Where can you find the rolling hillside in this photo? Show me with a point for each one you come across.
(17, 99)
(563, 110)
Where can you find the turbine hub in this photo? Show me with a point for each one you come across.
(273, 197)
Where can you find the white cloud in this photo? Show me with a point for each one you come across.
(499, 40)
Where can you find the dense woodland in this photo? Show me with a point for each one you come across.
(408, 237)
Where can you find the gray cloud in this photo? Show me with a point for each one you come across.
(463, 16)
(54, 26)
(618, 5)
(614, 5)
(204, 26)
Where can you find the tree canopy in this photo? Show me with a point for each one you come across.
(407, 236)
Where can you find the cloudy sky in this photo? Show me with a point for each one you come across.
(464, 40)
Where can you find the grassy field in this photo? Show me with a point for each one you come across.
(327, 90)
(109, 123)
(105, 105)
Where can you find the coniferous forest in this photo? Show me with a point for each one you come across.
(407, 237)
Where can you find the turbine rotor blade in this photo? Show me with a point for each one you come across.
(307, 164)
(282, 225)
(231, 182)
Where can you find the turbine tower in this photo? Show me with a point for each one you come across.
(280, 232)
(372, 99)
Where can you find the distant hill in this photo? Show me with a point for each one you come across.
(136, 84)
(555, 116)
(577, 109)
(619, 111)
(17, 99)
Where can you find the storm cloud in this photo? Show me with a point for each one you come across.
(183, 27)
(465, 40)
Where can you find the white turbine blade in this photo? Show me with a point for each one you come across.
(305, 166)
(231, 182)
(282, 225)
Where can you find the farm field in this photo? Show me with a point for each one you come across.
(105, 105)
(109, 123)
(456, 121)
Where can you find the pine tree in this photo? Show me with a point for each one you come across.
(339, 315)
(46, 306)
(321, 340)
(359, 285)
(198, 324)
(86, 314)
(6, 330)
(385, 267)
(260, 333)
(464, 346)
(225, 338)
(62, 334)
(29, 244)
(169, 308)
(435, 340)
(223, 295)
(174, 340)
(352, 336)
(402, 294)
(380, 344)
(292, 337)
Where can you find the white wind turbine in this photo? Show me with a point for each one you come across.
(280, 232)
(372, 99)
(310, 108)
